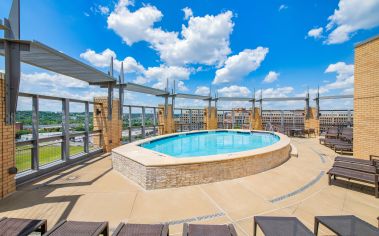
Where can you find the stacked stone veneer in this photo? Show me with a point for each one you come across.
(7, 148)
(210, 121)
(111, 129)
(170, 176)
(312, 122)
(366, 99)
(256, 121)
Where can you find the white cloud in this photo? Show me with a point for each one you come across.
(202, 90)
(40, 79)
(238, 66)
(205, 40)
(103, 60)
(271, 77)
(234, 91)
(160, 75)
(315, 33)
(345, 76)
(103, 10)
(181, 86)
(275, 92)
(282, 7)
(350, 17)
(187, 13)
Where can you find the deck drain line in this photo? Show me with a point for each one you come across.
(321, 155)
(196, 218)
(299, 190)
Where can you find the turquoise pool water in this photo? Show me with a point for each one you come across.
(210, 143)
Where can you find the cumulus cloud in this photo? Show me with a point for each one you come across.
(163, 73)
(316, 32)
(238, 66)
(187, 13)
(345, 76)
(202, 90)
(205, 40)
(271, 77)
(157, 75)
(103, 60)
(43, 79)
(350, 17)
(275, 92)
(234, 91)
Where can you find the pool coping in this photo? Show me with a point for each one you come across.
(150, 158)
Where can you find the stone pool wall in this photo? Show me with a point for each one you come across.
(179, 175)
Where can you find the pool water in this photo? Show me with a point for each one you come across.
(210, 143)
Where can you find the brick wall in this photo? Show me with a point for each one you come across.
(210, 122)
(312, 122)
(7, 148)
(366, 99)
(111, 130)
(256, 121)
(165, 125)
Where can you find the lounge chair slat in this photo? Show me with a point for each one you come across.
(141, 229)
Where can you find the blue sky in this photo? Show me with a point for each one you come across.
(282, 47)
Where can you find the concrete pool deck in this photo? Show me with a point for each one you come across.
(92, 191)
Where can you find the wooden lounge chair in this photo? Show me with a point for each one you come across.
(273, 226)
(346, 225)
(141, 229)
(208, 230)
(79, 228)
(356, 160)
(331, 142)
(332, 132)
(343, 147)
(15, 226)
(364, 173)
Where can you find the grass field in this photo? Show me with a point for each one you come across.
(47, 154)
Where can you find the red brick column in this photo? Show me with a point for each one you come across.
(7, 148)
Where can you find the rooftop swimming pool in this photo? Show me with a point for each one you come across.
(198, 157)
(210, 143)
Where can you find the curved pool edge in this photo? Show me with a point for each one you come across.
(154, 170)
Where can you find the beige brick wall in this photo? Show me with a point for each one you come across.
(165, 126)
(312, 122)
(210, 122)
(7, 148)
(366, 99)
(256, 121)
(111, 130)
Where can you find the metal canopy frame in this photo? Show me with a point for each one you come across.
(37, 54)
(318, 98)
(45, 57)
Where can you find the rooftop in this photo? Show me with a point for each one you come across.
(92, 191)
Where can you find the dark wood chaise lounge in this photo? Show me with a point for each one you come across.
(370, 162)
(343, 147)
(79, 228)
(208, 230)
(346, 225)
(364, 173)
(141, 229)
(15, 226)
(332, 132)
(273, 226)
